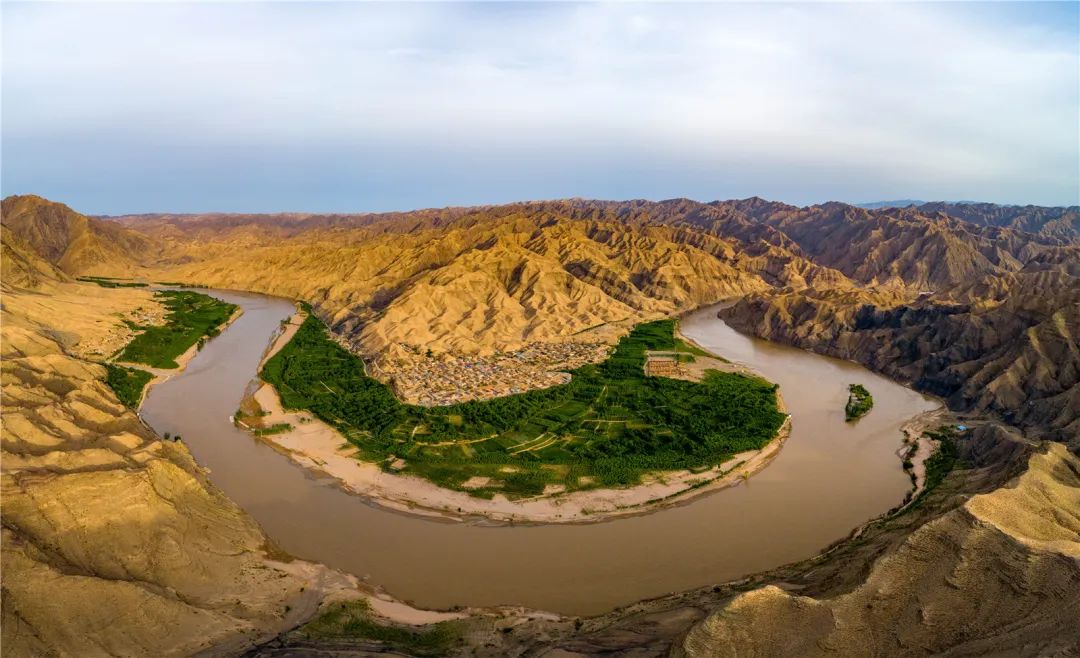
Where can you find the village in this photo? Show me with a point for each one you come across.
(448, 379)
(108, 342)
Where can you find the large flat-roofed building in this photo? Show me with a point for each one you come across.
(661, 366)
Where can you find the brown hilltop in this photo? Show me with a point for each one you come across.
(72, 242)
(477, 279)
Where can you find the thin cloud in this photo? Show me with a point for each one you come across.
(132, 106)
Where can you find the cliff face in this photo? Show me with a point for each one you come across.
(113, 542)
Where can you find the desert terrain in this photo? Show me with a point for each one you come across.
(977, 306)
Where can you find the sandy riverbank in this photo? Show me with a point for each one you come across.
(918, 447)
(317, 446)
(285, 334)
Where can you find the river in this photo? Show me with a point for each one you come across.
(830, 477)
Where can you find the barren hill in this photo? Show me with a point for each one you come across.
(72, 242)
(959, 299)
(998, 575)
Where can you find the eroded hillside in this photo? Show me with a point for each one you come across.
(71, 242)
(1017, 357)
(998, 576)
(113, 541)
(487, 279)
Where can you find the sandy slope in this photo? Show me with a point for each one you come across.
(113, 541)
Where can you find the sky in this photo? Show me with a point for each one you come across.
(350, 107)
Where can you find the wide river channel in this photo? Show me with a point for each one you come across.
(830, 477)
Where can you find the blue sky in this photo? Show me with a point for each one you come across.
(365, 106)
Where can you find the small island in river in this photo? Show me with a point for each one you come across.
(859, 403)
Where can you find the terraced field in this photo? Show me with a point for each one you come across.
(607, 427)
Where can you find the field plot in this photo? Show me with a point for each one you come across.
(128, 383)
(190, 319)
(607, 427)
(192, 316)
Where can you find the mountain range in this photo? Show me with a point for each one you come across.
(977, 303)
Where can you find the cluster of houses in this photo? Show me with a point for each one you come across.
(448, 379)
(121, 333)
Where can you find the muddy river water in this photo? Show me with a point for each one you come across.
(829, 478)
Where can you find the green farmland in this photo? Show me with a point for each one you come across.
(191, 317)
(606, 427)
(127, 383)
(110, 282)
